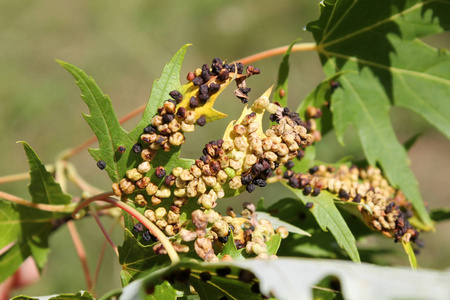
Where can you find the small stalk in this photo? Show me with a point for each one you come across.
(22, 176)
(81, 252)
(68, 208)
(108, 238)
(73, 176)
(278, 51)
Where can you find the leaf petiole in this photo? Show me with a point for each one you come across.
(278, 51)
(46, 207)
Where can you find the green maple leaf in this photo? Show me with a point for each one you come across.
(103, 120)
(329, 218)
(25, 230)
(379, 41)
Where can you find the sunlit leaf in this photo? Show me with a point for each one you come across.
(295, 278)
(103, 121)
(82, 295)
(411, 255)
(229, 248)
(25, 228)
(169, 81)
(276, 222)
(137, 258)
(379, 41)
(329, 218)
(281, 90)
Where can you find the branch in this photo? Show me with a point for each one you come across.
(79, 181)
(46, 207)
(81, 252)
(22, 176)
(154, 230)
(108, 238)
(278, 51)
(102, 252)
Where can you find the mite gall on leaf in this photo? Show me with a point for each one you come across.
(116, 189)
(307, 190)
(187, 235)
(222, 177)
(201, 121)
(197, 81)
(190, 118)
(239, 129)
(187, 127)
(148, 154)
(157, 120)
(199, 219)
(159, 249)
(169, 230)
(181, 113)
(206, 201)
(223, 271)
(180, 192)
(127, 186)
(155, 201)
(160, 172)
(150, 214)
(151, 188)
(138, 228)
(283, 232)
(149, 138)
(250, 188)
(180, 248)
(176, 95)
(144, 167)
(101, 164)
(315, 192)
(193, 102)
(140, 200)
(190, 76)
(148, 237)
(163, 192)
(160, 213)
(174, 126)
(121, 149)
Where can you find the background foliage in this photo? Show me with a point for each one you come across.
(124, 47)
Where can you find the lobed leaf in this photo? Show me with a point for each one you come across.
(321, 243)
(103, 121)
(411, 255)
(295, 278)
(276, 222)
(136, 258)
(329, 218)
(229, 248)
(43, 188)
(214, 288)
(379, 41)
(26, 229)
(81, 295)
(169, 81)
(281, 90)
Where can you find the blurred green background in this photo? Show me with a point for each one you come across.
(124, 46)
